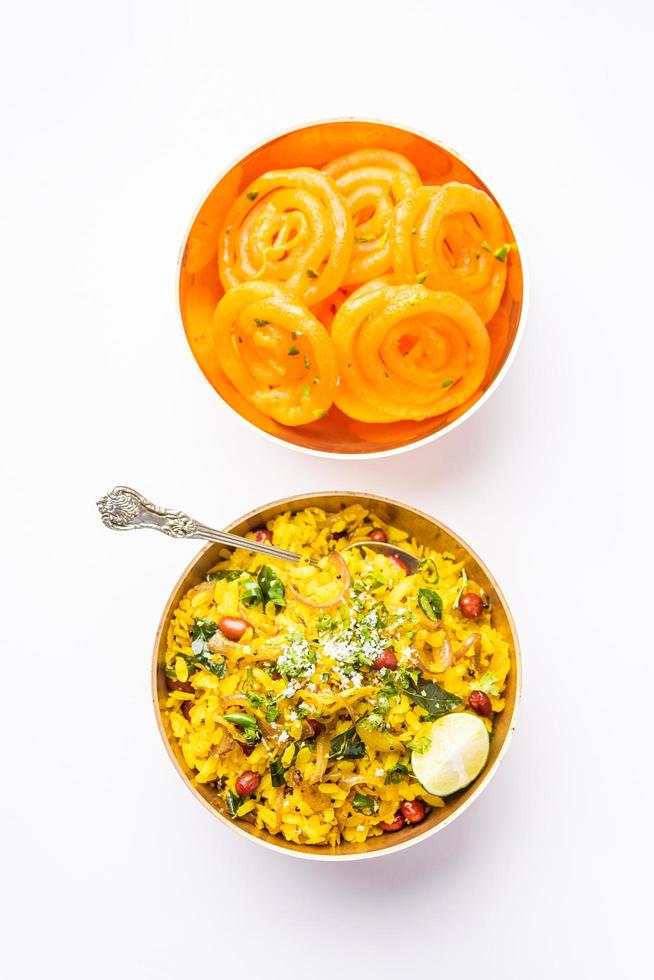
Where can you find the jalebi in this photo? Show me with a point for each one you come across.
(291, 227)
(275, 352)
(407, 352)
(452, 238)
(372, 182)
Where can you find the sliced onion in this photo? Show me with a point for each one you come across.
(226, 745)
(445, 658)
(473, 640)
(279, 809)
(342, 569)
(322, 757)
(235, 699)
(357, 780)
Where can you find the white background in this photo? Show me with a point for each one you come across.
(115, 120)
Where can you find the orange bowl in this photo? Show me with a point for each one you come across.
(427, 531)
(200, 288)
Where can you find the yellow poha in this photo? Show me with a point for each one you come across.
(300, 692)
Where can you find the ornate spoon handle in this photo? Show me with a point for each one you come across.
(123, 509)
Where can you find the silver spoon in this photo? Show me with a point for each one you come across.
(386, 548)
(123, 509)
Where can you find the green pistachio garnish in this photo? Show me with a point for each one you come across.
(252, 195)
(501, 252)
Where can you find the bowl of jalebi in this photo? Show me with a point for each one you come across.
(347, 705)
(352, 289)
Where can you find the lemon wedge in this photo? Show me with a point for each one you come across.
(457, 752)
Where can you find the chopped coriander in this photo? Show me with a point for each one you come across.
(246, 723)
(305, 389)
(271, 711)
(307, 363)
(420, 745)
(488, 683)
(421, 277)
(446, 383)
(371, 581)
(486, 247)
(312, 274)
(252, 195)
(502, 252)
(261, 323)
(228, 574)
(299, 657)
(292, 350)
(373, 722)
(360, 239)
(316, 381)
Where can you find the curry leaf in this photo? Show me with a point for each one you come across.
(272, 587)
(251, 593)
(203, 630)
(233, 802)
(434, 699)
(431, 603)
(347, 745)
(277, 771)
(215, 665)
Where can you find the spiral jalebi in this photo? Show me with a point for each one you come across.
(291, 227)
(407, 352)
(452, 238)
(373, 182)
(275, 352)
